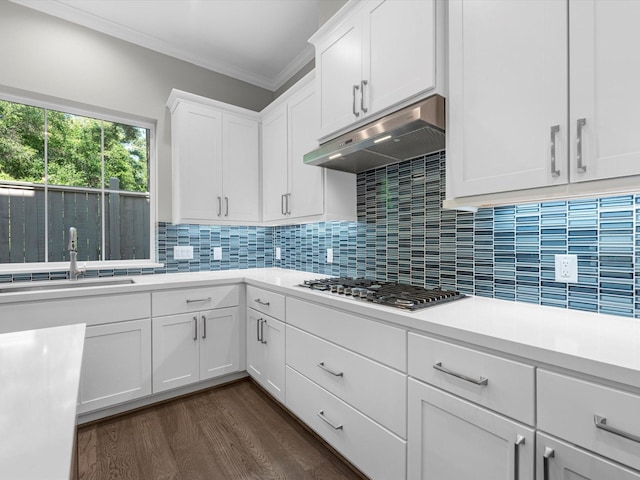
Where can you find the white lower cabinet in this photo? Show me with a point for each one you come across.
(450, 438)
(265, 352)
(195, 346)
(557, 460)
(376, 451)
(116, 364)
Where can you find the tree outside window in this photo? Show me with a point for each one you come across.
(59, 170)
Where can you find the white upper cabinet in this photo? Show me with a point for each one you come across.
(291, 190)
(215, 161)
(542, 96)
(507, 92)
(373, 55)
(605, 75)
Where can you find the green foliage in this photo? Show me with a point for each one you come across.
(74, 149)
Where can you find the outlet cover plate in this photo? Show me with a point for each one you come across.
(217, 253)
(329, 255)
(278, 253)
(183, 252)
(566, 268)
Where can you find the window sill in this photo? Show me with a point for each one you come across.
(10, 268)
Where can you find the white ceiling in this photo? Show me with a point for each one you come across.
(263, 42)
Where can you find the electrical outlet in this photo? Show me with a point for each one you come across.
(217, 253)
(566, 268)
(329, 255)
(182, 252)
(278, 253)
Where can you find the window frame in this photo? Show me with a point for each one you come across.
(107, 115)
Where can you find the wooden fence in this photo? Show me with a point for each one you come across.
(22, 222)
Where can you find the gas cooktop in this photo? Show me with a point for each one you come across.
(408, 297)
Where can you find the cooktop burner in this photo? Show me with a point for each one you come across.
(408, 297)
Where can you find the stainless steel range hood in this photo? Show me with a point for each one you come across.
(408, 133)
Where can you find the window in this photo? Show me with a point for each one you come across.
(62, 169)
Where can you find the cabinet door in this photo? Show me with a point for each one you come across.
(305, 181)
(567, 462)
(507, 90)
(116, 364)
(274, 338)
(274, 165)
(399, 51)
(197, 169)
(256, 353)
(604, 88)
(175, 351)
(338, 76)
(240, 169)
(219, 342)
(451, 438)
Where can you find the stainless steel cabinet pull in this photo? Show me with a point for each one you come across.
(601, 423)
(219, 206)
(324, 419)
(282, 200)
(258, 321)
(204, 327)
(355, 88)
(554, 131)
(516, 456)
(335, 374)
(195, 328)
(548, 453)
(362, 107)
(197, 300)
(226, 206)
(262, 332)
(257, 300)
(288, 211)
(581, 123)
(481, 381)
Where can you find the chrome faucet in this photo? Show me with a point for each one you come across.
(74, 271)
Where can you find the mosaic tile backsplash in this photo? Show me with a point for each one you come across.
(504, 252)
(402, 234)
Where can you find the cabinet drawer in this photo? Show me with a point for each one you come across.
(90, 310)
(374, 389)
(567, 408)
(373, 449)
(266, 302)
(194, 299)
(383, 343)
(510, 386)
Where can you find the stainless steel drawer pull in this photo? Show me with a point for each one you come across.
(219, 206)
(516, 456)
(204, 327)
(324, 419)
(601, 423)
(195, 328)
(554, 131)
(335, 374)
(355, 88)
(288, 196)
(266, 304)
(582, 168)
(283, 198)
(483, 381)
(226, 206)
(198, 300)
(548, 453)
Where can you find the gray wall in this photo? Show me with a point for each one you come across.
(60, 60)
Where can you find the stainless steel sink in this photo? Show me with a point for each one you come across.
(65, 284)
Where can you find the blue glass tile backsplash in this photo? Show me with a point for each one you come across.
(403, 235)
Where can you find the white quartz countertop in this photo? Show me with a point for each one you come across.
(39, 378)
(604, 346)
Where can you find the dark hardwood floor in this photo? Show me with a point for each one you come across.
(232, 432)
